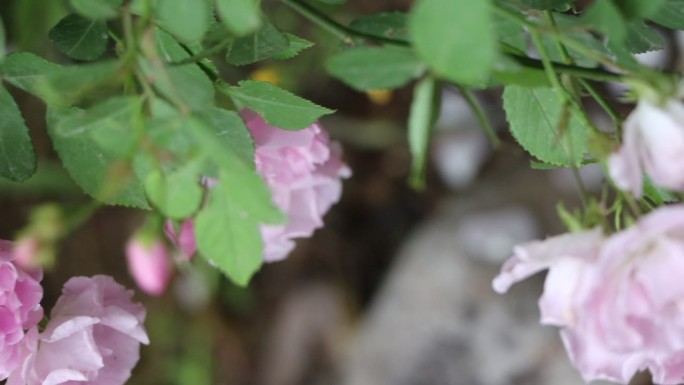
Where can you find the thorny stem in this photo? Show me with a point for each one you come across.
(477, 109)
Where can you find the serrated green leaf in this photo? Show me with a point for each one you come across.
(639, 9)
(642, 38)
(511, 34)
(17, 157)
(278, 107)
(25, 70)
(111, 124)
(295, 46)
(176, 193)
(80, 38)
(68, 85)
(388, 25)
(97, 9)
(455, 38)
(185, 85)
(231, 132)
(670, 15)
(365, 68)
(187, 20)
(423, 111)
(226, 237)
(242, 17)
(543, 127)
(263, 44)
(100, 175)
(253, 196)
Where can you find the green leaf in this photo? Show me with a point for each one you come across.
(68, 85)
(227, 229)
(543, 127)
(177, 193)
(97, 9)
(295, 46)
(511, 34)
(100, 175)
(670, 15)
(642, 38)
(111, 124)
(3, 40)
(423, 112)
(184, 85)
(456, 38)
(17, 158)
(231, 132)
(388, 25)
(247, 187)
(80, 38)
(333, 2)
(639, 9)
(278, 107)
(263, 44)
(25, 70)
(365, 68)
(226, 237)
(187, 20)
(242, 17)
(605, 17)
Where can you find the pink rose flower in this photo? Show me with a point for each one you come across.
(303, 171)
(653, 142)
(619, 302)
(150, 264)
(93, 337)
(20, 295)
(184, 239)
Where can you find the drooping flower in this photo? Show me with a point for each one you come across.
(184, 239)
(93, 337)
(149, 263)
(653, 142)
(303, 171)
(20, 310)
(619, 302)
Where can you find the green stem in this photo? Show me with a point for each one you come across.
(602, 101)
(340, 31)
(204, 54)
(479, 112)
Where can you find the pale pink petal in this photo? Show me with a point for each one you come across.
(150, 265)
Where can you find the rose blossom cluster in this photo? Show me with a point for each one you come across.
(304, 173)
(618, 300)
(93, 335)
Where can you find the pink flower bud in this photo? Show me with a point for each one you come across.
(653, 142)
(149, 264)
(184, 239)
